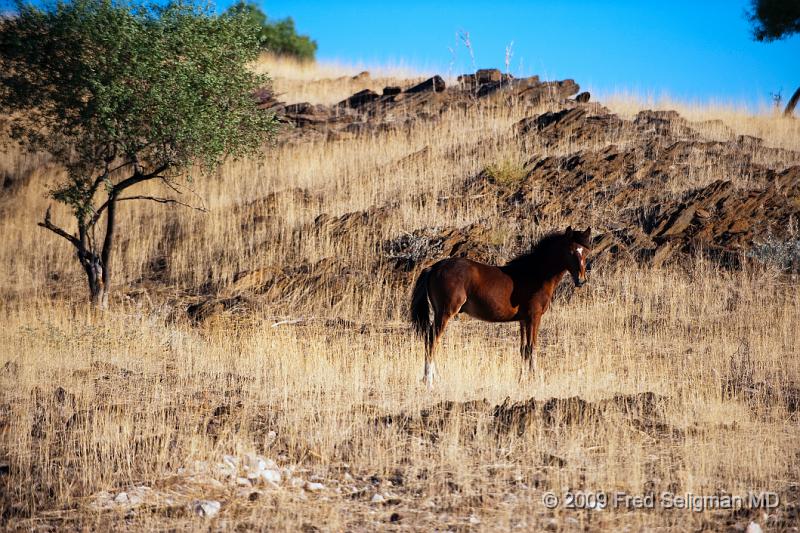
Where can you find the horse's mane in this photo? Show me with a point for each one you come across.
(538, 252)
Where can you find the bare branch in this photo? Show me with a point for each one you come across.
(137, 177)
(171, 185)
(164, 201)
(177, 188)
(47, 224)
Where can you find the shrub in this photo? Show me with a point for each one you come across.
(279, 37)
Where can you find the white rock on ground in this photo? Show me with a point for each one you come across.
(271, 475)
(378, 498)
(313, 486)
(753, 527)
(207, 508)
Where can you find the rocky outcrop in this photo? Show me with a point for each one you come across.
(367, 111)
(655, 187)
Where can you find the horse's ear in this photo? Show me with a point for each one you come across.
(568, 233)
(587, 233)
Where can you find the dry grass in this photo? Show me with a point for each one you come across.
(721, 119)
(330, 82)
(92, 404)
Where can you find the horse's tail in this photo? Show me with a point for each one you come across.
(420, 307)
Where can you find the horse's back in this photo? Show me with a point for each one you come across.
(480, 290)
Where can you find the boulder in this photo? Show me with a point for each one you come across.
(359, 99)
(435, 84)
(488, 75)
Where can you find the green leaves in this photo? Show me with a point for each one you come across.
(277, 37)
(774, 19)
(97, 82)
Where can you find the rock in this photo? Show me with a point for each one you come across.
(488, 75)
(378, 498)
(121, 498)
(206, 508)
(583, 97)
(753, 527)
(363, 75)
(313, 486)
(391, 90)
(359, 99)
(435, 84)
(271, 475)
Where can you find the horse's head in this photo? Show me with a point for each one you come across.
(579, 246)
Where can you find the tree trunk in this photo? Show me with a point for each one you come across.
(98, 267)
(105, 256)
(98, 295)
(792, 103)
(94, 278)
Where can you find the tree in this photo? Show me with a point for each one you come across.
(122, 94)
(279, 37)
(773, 20)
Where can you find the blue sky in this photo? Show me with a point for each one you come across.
(695, 51)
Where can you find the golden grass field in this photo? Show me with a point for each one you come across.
(325, 381)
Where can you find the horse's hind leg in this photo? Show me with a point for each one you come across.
(440, 320)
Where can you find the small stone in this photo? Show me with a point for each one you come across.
(122, 497)
(313, 486)
(271, 475)
(206, 508)
(378, 498)
(753, 527)
(474, 520)
(243, 482)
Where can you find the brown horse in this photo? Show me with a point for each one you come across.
(521, 290)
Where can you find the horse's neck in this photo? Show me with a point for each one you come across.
(551, 282)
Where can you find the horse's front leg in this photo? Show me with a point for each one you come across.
(524, 352)
(533, 331)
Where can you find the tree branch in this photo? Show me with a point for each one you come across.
(47, 224)
(137, 177)
(164, 201)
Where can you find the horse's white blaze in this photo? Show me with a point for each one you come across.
(579, 250)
